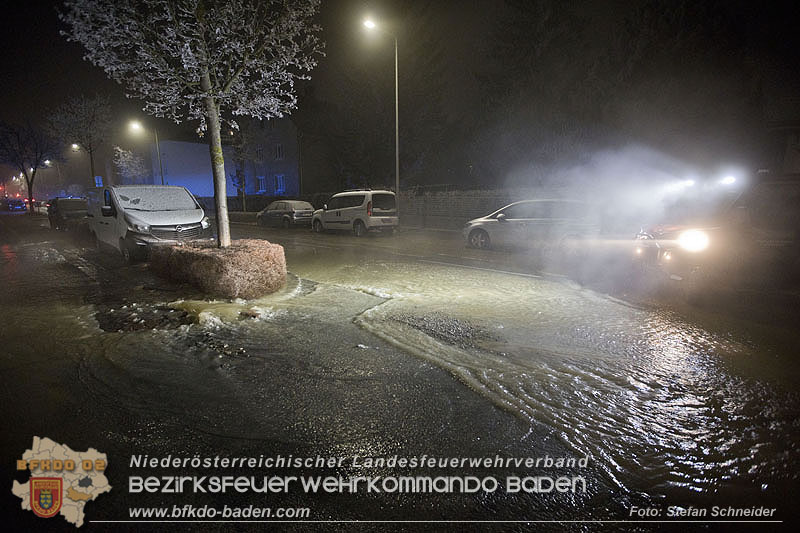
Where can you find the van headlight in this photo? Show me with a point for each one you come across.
(138, 227)
(205, 223)
(693, 240)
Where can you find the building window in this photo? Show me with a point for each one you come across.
(262, 184)
(280, 184)
(259, 153)
(279, 152)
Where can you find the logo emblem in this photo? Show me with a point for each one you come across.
(179, 228)
(46, 495)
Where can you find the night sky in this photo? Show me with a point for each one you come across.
(486, 84)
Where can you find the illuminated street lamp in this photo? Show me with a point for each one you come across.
(370, 25)
(136, 127)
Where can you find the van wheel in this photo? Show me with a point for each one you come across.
(479, 239)
(359, 229)
(318, 227)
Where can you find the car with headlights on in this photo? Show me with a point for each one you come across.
(752, 240)
(543, 224)
(286, 214)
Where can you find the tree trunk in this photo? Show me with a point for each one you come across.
(29, 184)
(92, 183)
(244, 191)
(217, 165)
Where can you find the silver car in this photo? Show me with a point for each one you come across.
(286, 214)
(532, 223)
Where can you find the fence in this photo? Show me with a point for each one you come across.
(450, 209)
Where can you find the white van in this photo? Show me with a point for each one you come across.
(358, 211)
(130, 218)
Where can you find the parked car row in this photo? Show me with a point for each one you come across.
(359, 211)
(754, 235)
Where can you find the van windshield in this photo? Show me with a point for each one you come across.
(156, 199)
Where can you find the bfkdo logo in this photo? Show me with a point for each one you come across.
(62, 481)
(47, 494)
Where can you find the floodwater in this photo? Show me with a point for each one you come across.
(666, 408)
(662, 404)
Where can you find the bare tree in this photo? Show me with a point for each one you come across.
(202, 60)
(247, 148)
(85, 122)
(26, 148)
(131, 167)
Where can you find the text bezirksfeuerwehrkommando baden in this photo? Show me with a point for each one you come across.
(214, 483)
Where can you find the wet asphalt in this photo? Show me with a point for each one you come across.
(95, 356)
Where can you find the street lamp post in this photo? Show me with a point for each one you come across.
(370, 25)
(137, 126)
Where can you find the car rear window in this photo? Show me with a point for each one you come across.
(301, 206)
(72, 204)
(383, 201)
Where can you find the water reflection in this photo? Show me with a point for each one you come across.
(649, 395)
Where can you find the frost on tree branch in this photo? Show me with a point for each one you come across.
(131, 167)
(252, 50)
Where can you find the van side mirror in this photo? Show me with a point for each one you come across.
(324, 207)
(107, 210)
(501, 217)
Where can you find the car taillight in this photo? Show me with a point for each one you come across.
(369, 209)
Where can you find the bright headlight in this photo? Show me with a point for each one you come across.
(137, 226)
(693, 240)
(205, 223)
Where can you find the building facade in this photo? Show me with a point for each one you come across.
(271, 167)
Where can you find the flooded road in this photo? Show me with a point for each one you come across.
(403, 345)
(661, 400)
